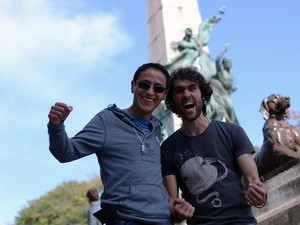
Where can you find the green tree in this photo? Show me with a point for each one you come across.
(65, 205)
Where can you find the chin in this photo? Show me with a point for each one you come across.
(148, 109)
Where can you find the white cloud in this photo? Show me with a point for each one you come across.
(50, 50)
(45, 47)
(31, 33)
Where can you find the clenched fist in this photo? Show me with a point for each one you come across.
(59, 112)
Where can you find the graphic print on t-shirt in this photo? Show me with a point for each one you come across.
(200, 174)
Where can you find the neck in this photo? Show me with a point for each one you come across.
(195, 127)
(279, 117)
(92, 203)
(141, 115)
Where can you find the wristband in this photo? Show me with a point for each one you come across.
(261, 206)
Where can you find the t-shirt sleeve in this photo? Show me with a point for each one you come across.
(242, 142)
(166, 159)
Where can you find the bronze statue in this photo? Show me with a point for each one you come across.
(221, 107)
(191, 52)
(224, 73)
(281, 139)
(188, 51)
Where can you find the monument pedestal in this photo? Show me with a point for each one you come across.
(283, 205)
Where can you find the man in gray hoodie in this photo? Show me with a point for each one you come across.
(127, 145)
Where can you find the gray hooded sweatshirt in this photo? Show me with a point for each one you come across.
(129, 161)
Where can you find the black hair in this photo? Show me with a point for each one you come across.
(188, 73)
(92, 194)
(155, 66)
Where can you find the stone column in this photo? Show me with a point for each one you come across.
(167, 20)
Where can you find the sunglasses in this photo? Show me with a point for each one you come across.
(145, 85)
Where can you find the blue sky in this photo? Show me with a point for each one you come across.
(84, 53)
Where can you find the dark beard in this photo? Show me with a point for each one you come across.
(193, 118)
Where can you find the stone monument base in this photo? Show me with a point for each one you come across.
(283, 205)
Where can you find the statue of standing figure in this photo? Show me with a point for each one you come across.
(191, 52)
(188, 51)
(221, 107)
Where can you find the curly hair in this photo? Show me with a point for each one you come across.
(192, 74)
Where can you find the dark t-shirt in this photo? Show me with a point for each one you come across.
(208, 174)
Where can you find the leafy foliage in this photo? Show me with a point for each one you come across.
(65, 205)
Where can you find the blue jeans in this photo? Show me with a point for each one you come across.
(125, 222)
(235, 223)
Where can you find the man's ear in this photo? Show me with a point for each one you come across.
(165, 95)
(203, 101)
(132, 86)
(264, 109)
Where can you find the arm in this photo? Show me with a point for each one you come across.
(187, 45)
(58, 139)
(281, 149)
(256, 191)
(297, 139)
(92, 220)
(59, 112)
(219, 56)
(181, 210)
(278, 142)
(84, 143)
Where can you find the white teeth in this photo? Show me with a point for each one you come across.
(148, 99)
(188, 103)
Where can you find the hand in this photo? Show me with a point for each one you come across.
(182, 210)
(226, 47)
(59, 112)
(257, 194)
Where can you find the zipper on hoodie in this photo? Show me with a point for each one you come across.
(142, 141)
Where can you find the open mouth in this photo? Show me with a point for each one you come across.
(148, 99)
(188, 105)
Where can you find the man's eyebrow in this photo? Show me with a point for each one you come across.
(185, 86)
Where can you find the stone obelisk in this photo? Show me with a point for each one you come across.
(167, 20)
